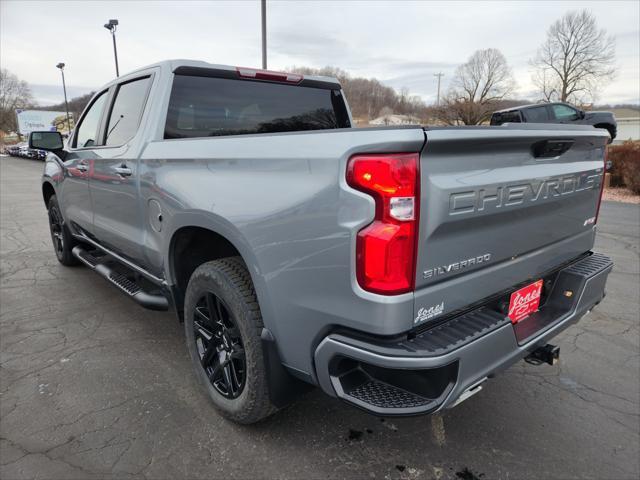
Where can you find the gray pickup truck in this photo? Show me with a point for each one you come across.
(396, 268)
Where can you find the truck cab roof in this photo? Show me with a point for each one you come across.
(172, 65)
(532, 105)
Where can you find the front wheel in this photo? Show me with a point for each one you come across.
(63, 241)
(223, 324)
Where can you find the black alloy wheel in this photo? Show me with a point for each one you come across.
(219, 346)
(61, 237)
(56, 225)
(223, 329)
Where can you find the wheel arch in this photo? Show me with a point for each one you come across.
(47, 192)
(190, 247)
(195, 239)
(222, 239)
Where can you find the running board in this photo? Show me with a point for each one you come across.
(131, 288)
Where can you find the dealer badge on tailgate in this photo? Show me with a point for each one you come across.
(525, 301)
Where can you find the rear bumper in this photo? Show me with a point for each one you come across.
(432, 370)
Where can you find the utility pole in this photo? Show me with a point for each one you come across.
(111, 26)
(64, 89)
(263, 5)
(439, 75)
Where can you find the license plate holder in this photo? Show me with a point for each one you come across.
(525, 301)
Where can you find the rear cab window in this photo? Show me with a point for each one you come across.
(208, 106)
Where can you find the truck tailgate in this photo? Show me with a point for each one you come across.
(500, 206)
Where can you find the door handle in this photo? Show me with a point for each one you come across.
(123, 171)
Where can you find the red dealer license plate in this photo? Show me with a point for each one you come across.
(525, 301)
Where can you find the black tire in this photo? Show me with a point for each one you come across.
(225, 286)
(63, 241)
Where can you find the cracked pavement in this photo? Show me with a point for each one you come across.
(94, 386)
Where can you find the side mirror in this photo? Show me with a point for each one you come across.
(582, 114)
(50, 141)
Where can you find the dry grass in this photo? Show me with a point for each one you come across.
(620, 195)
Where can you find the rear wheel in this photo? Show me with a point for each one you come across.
(63, 241)
(223, 326)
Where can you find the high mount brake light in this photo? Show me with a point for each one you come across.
(269, 75)
(386, 248)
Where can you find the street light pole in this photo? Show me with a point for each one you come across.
(111, 26)
(64, 89)
(263, 4)
(439, 75)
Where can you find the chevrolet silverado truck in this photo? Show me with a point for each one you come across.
(395, 268)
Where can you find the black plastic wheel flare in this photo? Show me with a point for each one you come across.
(219, 346)
(55, 225)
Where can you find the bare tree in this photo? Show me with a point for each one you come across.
(368, 96)
(76, 105)
(476, 86)
(14, 93)
(575, 59)
(385, 113)
(546, 85)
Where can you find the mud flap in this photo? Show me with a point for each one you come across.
(283, 387)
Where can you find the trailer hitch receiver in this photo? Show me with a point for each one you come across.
(548, 354)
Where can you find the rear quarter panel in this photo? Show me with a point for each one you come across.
(282, 200)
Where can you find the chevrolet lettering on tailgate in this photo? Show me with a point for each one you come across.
(509, 195)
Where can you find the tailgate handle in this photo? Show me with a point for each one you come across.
(551, 148)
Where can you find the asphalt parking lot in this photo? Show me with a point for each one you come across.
(93, 386)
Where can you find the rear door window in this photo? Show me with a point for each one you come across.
(127, 111)
(564, 113)
(505, 117)
(537, 114)
(511, 117)
(211, 106)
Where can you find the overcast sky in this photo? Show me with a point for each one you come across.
(401, 43)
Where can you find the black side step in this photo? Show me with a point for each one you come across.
(148, 300)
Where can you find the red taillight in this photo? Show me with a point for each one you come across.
(386, 248)
(604, 174)
(269, 75)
